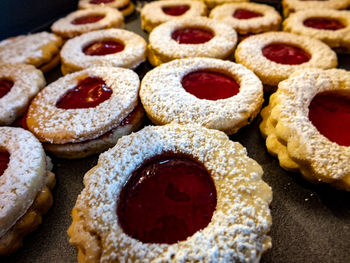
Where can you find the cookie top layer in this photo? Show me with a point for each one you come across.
(239, 226)
(24, 176)
(84, 4)
(297, 5)
(212, 3)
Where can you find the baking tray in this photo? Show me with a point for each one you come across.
(311, 223)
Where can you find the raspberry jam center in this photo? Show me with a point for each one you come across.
(323, 23)
(177, 10)
(98, 2)
(192, 35)
(89, 93)
(5, 86)
(167, 199)
(330, 114)
(245, 14)
(4, 160)
(285, 54)
(101, 48)
(87, 19)
(210, 85)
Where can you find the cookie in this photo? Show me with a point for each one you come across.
(213, 3)
(173, 193)
(25, 186)
(213, 93)
(124, 6)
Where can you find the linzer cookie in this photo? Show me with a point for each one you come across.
(212, 3)
(19, 83)
(109, 47)
(158, 12)
(191, 37)
(86, 112)
(307, 123)
(198, 195)
(40, 50)
(211, 92)
(25, 186)
(83, 21)
(124, 6)
(330, 26)
(247, 18)
(273, 56)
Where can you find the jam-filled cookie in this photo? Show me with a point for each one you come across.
(290, 6)
(158, 12)
(330, 26)
(191, 37)
(273, 56)
(19, 83)
(214, 93)
(173, 193)
(307, 124)
(109, 47)
(86, 112)
(25, 186)
(213, 3)
(124, 6)
(247, 18)
(83, 21)
(40, 49)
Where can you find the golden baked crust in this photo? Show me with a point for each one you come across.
(162, 48)
(127, 9)
(86, 4)
(337, 39)
(64, 27)
(292, 137)
(238, 231)
(212, 3)
(249, 53)
(152, 14)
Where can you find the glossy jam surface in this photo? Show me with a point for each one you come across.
(98, 2)
(245, 14)
(323, 23)
(89, 93)
(176, 10)
(192, 35)
(101, 48)
(330, 114)
(210, 85)
(87, 19)
(4, 160)
(285, 54)
(167, 199)
(5, 86)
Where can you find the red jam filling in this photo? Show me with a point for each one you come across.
(192, 35)
(323, 23)
(177, 10)
(210, 85)
(87, 19)
(98, 2)
(4, 160)
(245, 14)
(5, 86)
(285, 54)
(89, 93)
(330, 114)
(167, 199)
(101, 48)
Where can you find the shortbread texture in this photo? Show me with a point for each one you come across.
(212, 3)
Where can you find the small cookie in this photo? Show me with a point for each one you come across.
(86, 112)
(198, 195)
(40, 50)
(273, 56)
(83, 21)
(213, 93)
(330, 26)
(213, 3)
(124, 6)
(25, 184)
(247, 18)
(191, 37)
(307, 125)
(109, 47)
(19, 83)
(155, 13)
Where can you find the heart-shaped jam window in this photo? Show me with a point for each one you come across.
(330, 114)
(87, 19)
(102, 48)
(192, 35)
(4, 160)
(176, 10)
(246, 14)
(167, 199)
(89, 93)
(285, 54)
(5, 86)
(324, 23)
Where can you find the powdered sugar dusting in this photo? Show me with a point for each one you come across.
(83, 4)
